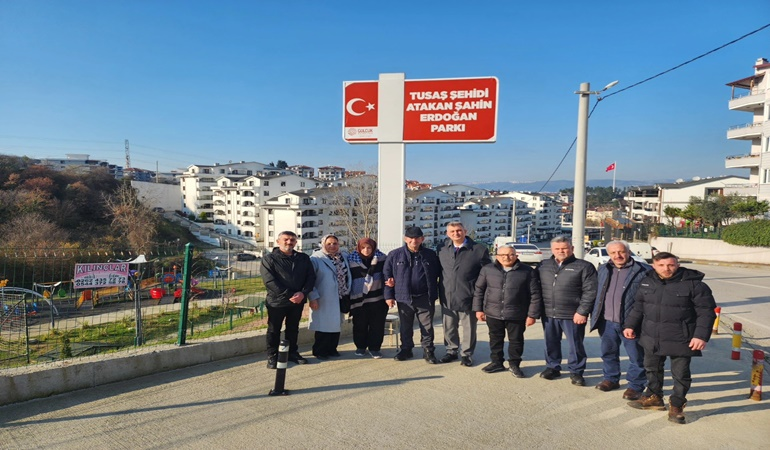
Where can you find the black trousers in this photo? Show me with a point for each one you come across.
(325, 343)
(369, 325)
(423, 309)
(497, 329)
(275, 319)
(680, 372)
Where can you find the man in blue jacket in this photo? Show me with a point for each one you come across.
(412, 273)
(619, 280)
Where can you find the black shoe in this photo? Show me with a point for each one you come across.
(272, 361)
(516, 371)
(321, 356)
(297, 358)
(577, 379)
(403, 355)
(550, 374)
(493, 368)
(466, 361)
(335, 354)
(449, 357)
(429, 357)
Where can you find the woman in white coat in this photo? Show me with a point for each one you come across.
(332, 284)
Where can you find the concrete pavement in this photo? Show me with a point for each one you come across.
(356, 402)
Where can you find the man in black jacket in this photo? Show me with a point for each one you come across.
(461, 260)
(507, 298)
(674, 309)
(289, 277)
(569, 290)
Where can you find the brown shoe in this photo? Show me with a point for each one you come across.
(653, 401)
(631, 394)
(676, 414)
(607, 385)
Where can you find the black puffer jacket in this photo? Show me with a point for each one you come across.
(285, 275)
(512, 295)
(672, 312)
(567, 289)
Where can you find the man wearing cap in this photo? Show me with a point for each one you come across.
(412, 273)
(461, 261)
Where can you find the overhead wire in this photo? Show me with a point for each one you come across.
(650, 79)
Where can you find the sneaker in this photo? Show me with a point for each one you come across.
(652, 401)
(429, 357)
(577, 379)
(493, 367)
(550, 374)
(297, 358)
(376, 354)
(272, 361)
(360, 352)
(403, 355)
(516, 371)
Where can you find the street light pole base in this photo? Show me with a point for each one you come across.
(278, 392)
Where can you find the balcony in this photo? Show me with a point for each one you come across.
(746, 131)
(748, 102)
(742, 161)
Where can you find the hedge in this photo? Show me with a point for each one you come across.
(754, 233)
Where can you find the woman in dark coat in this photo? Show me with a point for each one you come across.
(367, 302)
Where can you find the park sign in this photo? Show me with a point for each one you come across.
(89, 276)
(437, 110)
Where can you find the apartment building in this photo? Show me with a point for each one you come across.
(303, 171)
(331, 173)
(488, 218)
(645, 204)
(431, 210)
(545, 211)
(80, 163)
(752, 95)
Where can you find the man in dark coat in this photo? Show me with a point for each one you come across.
(508, 299)
(289, 277)
(411, 273)
(569, 291)
(461, 260)
(619, 281)
(674, 309)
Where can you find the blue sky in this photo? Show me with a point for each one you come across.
(198, 82)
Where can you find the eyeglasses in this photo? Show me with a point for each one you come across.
(507, 255)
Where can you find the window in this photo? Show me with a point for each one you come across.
(283, 183)
(301, 184)
(287, 201)
(265, 183)
(766, 176)
(266, 193)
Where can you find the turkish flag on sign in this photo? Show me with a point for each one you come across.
(610, 168)
(361, 104)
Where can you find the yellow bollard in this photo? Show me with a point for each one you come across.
(737, 333)
(757, 367)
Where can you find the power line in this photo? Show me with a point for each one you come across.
(649, 79)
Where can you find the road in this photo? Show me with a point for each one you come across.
(364, 403)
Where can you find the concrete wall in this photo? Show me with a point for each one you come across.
(712, 250)
(43, 380)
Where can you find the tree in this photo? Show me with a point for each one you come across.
(354, 207)
(281, 164)
(32, 231)
(671, 213)
(133, 220)
(750, 208)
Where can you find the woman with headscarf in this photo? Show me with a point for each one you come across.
(367, 302)
(332, 284)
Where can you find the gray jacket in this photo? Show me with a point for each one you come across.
(459, 272)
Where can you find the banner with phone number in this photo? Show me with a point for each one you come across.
(89, 276)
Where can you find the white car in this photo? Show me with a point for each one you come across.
(598, 256)
(528, 253)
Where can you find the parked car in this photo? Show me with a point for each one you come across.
(598, 256)
(245, 257)
(528, 253)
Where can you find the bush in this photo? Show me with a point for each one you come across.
(754, 233)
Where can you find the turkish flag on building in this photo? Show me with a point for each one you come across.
(610, 168)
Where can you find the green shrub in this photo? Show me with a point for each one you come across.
(754, 233)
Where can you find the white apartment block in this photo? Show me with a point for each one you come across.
(431, 210)
(488, 218)
(293, 211)
(80, 163)
(645, 204)
(198, 181)
(331, 173)
(752, 95)
(545, 211)
(303, 171)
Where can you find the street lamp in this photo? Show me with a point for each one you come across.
(579, 204)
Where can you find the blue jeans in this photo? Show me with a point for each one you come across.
(553, 329)
(612, 336)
